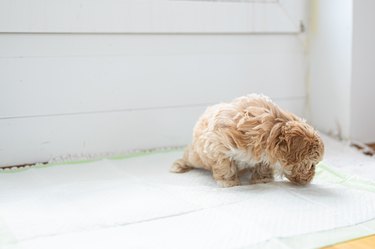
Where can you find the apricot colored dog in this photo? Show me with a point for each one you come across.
(252, 133)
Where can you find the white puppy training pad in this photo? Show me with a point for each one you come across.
(136, 203)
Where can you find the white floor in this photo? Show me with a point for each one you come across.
(136, 203)
(348, 159)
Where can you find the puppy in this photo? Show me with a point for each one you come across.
(252, 133)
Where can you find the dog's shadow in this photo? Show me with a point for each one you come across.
(313, 192)
(309, 190)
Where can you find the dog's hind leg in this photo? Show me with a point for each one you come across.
(189, 161)
(180, 166)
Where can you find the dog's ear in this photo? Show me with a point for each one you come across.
(299, 137)
(294, 133)
(276, 143)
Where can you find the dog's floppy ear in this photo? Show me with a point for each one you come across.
(276, 143)
(298, 136)
(285, 135)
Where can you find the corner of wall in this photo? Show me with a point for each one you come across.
(329, 66)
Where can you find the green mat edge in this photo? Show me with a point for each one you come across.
(68, 162)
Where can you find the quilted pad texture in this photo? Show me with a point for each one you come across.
(136, 203)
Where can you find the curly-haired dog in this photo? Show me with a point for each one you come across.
(252, 133)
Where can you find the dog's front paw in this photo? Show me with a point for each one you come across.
(262, 173)
(228, 183)
(261, 180)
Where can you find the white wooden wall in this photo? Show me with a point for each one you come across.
(64, 93)
(363, 76)
(330, 59)
(341, 76)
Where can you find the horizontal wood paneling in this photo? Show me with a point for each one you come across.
(67, 94)
(89, 45)
(48, 75)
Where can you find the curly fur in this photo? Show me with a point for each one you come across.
(251, 133)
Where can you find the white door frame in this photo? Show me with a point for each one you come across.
(149, 16)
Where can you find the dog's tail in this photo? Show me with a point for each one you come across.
(180, 166)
